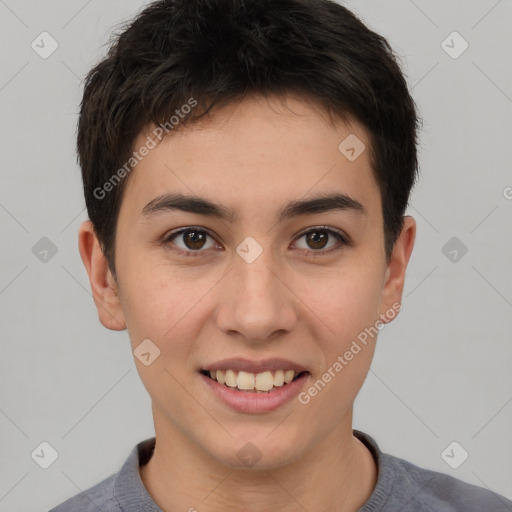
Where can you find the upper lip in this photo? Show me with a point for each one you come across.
(247, 365)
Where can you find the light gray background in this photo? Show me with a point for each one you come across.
(441, 372)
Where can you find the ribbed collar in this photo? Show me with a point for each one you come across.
(385, 475)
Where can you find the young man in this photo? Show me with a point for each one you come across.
(246, 168)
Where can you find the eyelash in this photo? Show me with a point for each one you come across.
(341, 238)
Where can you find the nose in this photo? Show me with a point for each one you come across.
(256, 303)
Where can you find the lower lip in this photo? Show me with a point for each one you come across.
(242, 401)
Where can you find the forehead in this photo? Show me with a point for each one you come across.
(259, 149)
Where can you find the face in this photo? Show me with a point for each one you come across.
(264, 281)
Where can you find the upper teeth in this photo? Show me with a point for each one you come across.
(260, 381)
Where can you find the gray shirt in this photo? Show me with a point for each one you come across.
(401, 487)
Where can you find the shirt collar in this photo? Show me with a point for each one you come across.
(129, 489)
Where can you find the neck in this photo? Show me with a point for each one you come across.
(338, 473)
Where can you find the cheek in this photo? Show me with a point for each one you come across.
(346, 302)
(162, 305)
(350, 311)
(158, 312)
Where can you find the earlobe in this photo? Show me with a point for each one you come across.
(395, 272)
(103, 286)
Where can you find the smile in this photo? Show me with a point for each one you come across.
(240, 392)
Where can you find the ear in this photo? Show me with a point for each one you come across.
(103, 285)
(395, 272)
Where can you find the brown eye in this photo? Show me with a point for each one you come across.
(193, 240)
(317, 239)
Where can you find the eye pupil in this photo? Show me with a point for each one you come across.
(315, 238)
(197, 236)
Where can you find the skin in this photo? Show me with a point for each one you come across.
(253, 156)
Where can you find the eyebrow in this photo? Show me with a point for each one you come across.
(202, 206)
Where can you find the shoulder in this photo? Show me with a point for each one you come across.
(121, 491)
(99, 497)
(418, 489)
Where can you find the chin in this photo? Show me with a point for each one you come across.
(258, 449)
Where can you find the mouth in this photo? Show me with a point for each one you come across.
(248, 382)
